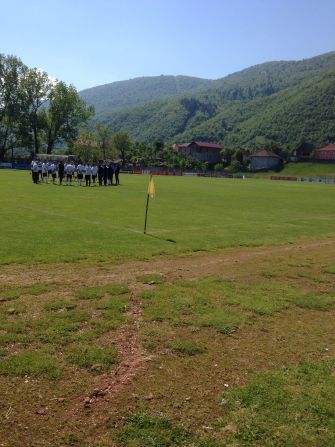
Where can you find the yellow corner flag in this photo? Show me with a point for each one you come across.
(151, 193)
(151, 188)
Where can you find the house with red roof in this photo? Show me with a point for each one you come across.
(326, 153)
(265, 161)
(201, 151)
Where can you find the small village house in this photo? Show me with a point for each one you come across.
(201, 151)
(265, 160)
(325, 154)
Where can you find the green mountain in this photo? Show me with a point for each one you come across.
(286, 102)
(117, 95)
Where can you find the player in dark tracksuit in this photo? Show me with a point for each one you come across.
(61, 172)
(101, 173)
(105, 173)
(117, 172)
(110, 174)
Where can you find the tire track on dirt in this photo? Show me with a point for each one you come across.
(131, 353)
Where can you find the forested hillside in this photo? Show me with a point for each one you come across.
(285, 102)
(111, 97)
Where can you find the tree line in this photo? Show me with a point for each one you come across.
(36, 111)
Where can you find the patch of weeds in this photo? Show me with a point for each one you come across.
(209, 443)
(269, 275)
(150, 332)
(88, 355)
(142, 429)
(13, 332)
(9, 295)
(13, 327)
(317, 302)
(223, 320)
(59, 305)
(38, 289)
(329, 269)
(92, 293)
(75, 316)
(114, 319)
(117, 289)
(263, 298)
(105, 325)
(59, 327)
(72, 439)
(295, 407)
(113, 311)
(318, 279)
(119, 304)
(298, 264)
(187, 347)
(15, 310)
(150, 346)
(197, 303)
(31, 363)
(9, 338)
(151, 279)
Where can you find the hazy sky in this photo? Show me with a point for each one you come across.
(89, 43)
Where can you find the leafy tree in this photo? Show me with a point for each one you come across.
(238, 155)
(237, 166)
(86, 147)
(227, 154)
(65, 114)
(35, 89)
(11, 72)
(218, 167)
(122, 144)
(104, 137)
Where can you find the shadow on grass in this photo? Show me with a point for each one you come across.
(161, 238)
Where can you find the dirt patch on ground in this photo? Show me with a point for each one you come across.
(132, 358)
(186, 389)
(191, 266)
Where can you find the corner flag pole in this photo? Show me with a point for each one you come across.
(151, 193)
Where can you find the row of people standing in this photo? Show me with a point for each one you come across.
(104, 172)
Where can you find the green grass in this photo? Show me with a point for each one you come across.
(48, 326)
(47, 223)
(152, 431)
(88, 355)
(304, 169)
(31, 363)
(151, 279)
(286, 407)
(91, 293)
(290, 407)
(38, 289)
(59, 305)
(224, 304)
(329, 269)
(187, 347)
(9, 295)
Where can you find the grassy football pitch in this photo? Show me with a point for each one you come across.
(226, 342)
(48, 223)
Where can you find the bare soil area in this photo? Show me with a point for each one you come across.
(86, 409)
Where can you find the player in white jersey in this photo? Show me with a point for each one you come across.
(69, 169)
(35, 171)
(80, 170)
(94, 173)
(45, 172)
(53, 170)
(49, 168)
(88, 171)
